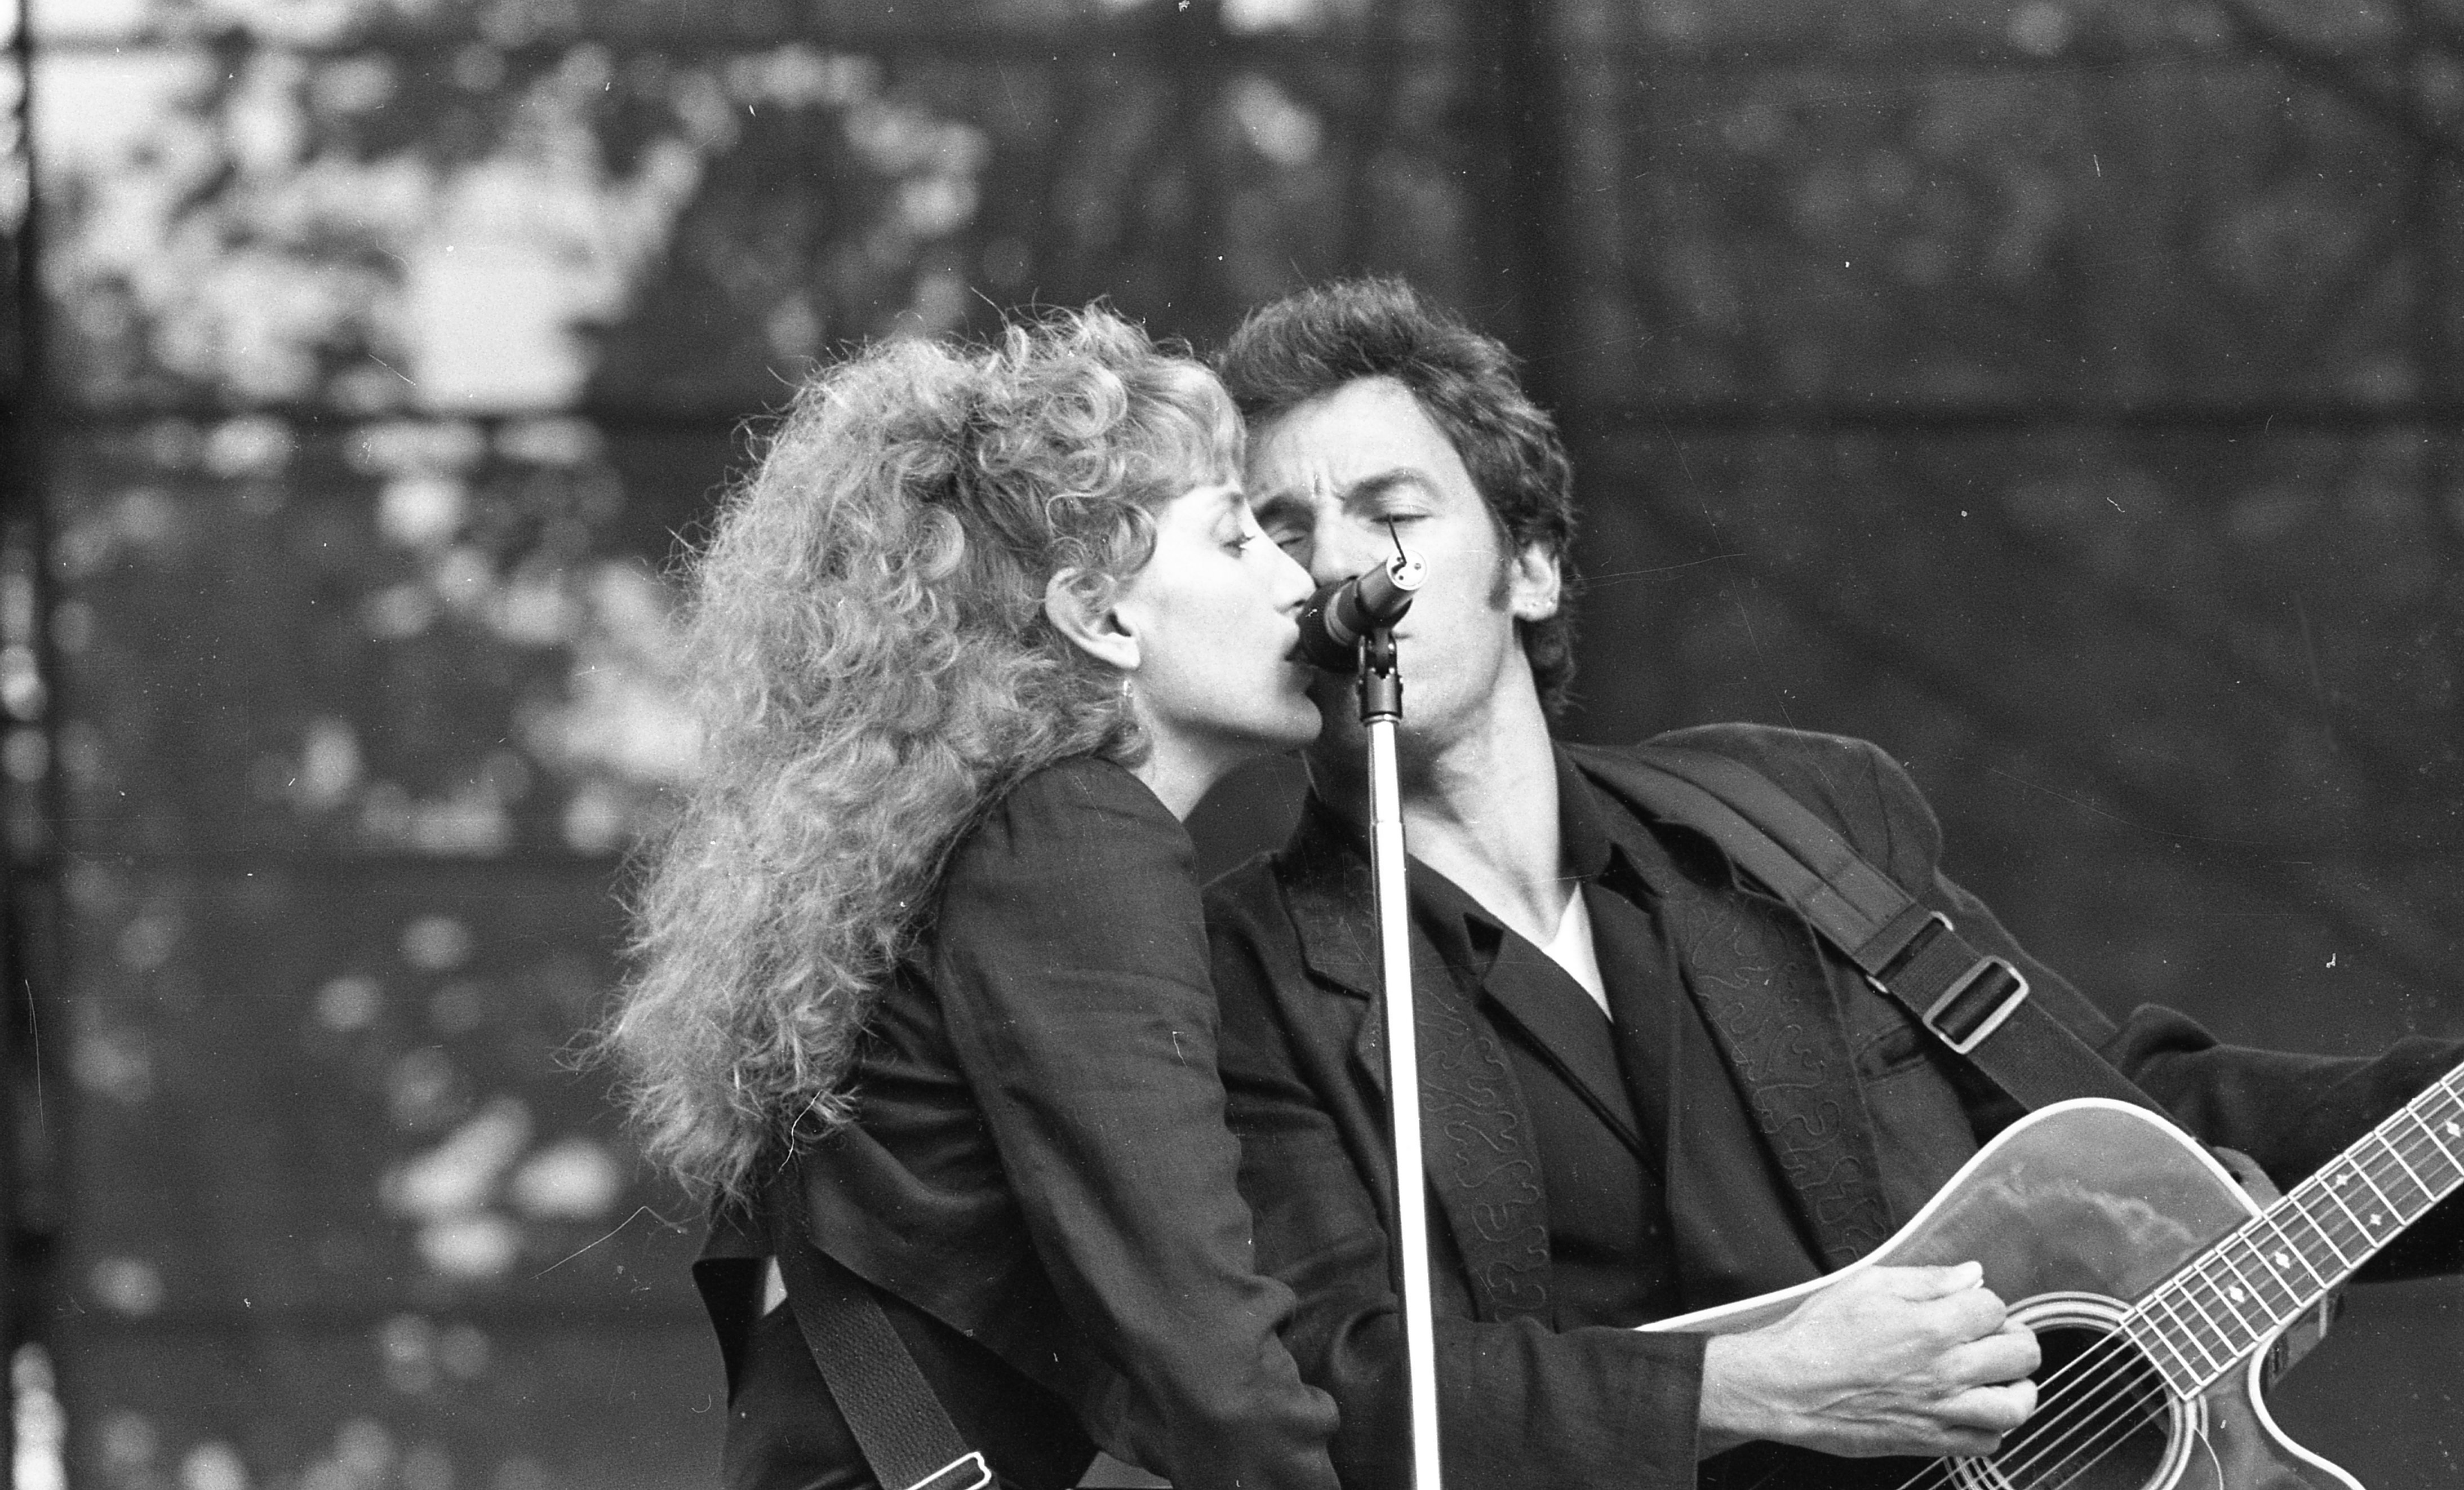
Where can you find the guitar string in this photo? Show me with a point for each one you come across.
(2103, 1352)
(2118, 1389)
(1939, 1468)
(2101, 1423)
(2137, 1409)
(2112, 1346)
(2100, 1404)
(1941, 1471)
(2112, 1349)
(2137, 1405)
(2095, 1459)
(2114, 1417)
(2087, 1359)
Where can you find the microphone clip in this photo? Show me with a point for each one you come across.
(1348, 627)
(1344, 613)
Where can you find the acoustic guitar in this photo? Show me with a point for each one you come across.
(2159, 1290)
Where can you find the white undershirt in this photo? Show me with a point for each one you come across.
(1571, 949)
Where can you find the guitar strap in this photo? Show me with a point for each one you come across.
(898, 1421)
(1974, 1002)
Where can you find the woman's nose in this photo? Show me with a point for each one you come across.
(1288, 582)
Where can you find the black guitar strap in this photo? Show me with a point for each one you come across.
(906, 1434)
(1975, 1003)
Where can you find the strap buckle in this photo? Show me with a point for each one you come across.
(946, 1476)
(1970, 982)
(1981, 978)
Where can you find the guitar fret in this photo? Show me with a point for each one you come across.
(2430, 1135)
(2422, 1167)
(2289, 1252)
(2378, 1218)
(2243, 1285)
(2428, 1195)
(2181, 1376)
(2230, 1299)
(2202, 1323)
(2251, 1293)
(2429, 1132)
(2269, 1272)
(2451, 1123)
(2184, 1326)
(2327, 1188)
(2343, 1263)
(2220, 1351)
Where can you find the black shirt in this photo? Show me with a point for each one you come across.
(1597, 1088)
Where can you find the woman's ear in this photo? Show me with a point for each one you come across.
(1100, 631)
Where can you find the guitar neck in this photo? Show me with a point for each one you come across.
(2199, 1323)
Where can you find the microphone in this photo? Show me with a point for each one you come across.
(1340, 614)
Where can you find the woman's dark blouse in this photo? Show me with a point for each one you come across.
(1040, 1165)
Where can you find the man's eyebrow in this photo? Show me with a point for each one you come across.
(1377, 484)
(1352, 493)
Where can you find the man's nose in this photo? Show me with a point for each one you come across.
(1340, 554)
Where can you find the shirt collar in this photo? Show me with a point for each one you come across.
(1594, 840)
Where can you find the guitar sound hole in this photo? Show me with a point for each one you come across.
(2103, 1419)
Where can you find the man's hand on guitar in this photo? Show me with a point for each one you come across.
(1888, 1360)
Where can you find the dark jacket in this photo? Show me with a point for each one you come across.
(1040, 1184)
(1806, 1119)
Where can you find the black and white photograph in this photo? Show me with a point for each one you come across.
(1232, 745)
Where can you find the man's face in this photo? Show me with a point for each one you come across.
(1337, 481)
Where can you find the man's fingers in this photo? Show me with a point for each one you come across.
(1972, 1313)
(1993, 1409)
(1891, 1361)
(1966, 1444)
(2004, 1357)
(1919, 1284)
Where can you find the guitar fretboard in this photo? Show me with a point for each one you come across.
(2196, 1325)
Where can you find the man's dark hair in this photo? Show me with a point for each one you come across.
(1315, 342)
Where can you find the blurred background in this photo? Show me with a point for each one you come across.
(2066, 393)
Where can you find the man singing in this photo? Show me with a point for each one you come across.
(1649, 1086)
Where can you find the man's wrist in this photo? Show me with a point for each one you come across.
(1730, 1415)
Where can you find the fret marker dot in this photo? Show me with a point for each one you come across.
(2235, 1294)
(2453, 1131)
(2285, 1259)
(2376, 1218)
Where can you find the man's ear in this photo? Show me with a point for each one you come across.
(1534, 584)
(1099, 631)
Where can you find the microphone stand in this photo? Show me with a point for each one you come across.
(1382, 708)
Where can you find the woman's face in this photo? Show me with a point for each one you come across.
(1214, 612)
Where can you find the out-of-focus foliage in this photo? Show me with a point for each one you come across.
(410, 635)
(2064, 394)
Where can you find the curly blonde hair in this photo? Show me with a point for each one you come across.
(874, 668)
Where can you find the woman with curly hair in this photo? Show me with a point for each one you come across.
(920, 975)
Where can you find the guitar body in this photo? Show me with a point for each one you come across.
(2075, 1212)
